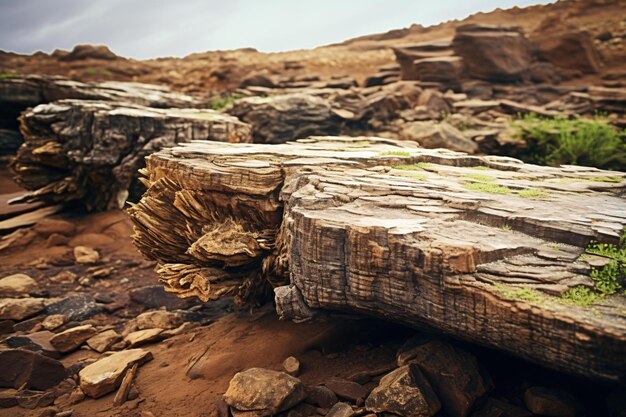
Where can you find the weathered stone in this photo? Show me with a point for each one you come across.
(34, 399)
(567, 48)
(7, 398)
(405, 392)
(20, 308)
(86, 255)
(103, 340)
(53, 321)
(160, 319)
(438, 135)
(551, 402)
(80, 149)
(37, 342)
(347, 390)
(264, 391)
(143, 337)
(105, 375)
(17, 285)
(76, 307)
(340, 410)
(82, 52)
(48, 227)
(23, 367)
(154, 296)
(291, 365)
(493, 53)
(321, 396)
(72, 338)
(278, 119)
(453, 374)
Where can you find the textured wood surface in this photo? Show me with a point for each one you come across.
(91, 150)
(331, 225)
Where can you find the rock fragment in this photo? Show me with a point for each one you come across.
(347, 390)
(86, 255)
(291, 365)
(30, 369)
(103, 341)
(17, 285)
(105, 375)
(71, 339)
(20, 308)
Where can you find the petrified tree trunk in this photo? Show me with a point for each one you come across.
(481, 254)
(91, 150)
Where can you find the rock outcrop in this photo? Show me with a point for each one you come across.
(91, 150)
(477, 253)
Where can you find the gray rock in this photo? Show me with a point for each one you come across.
(76, 307)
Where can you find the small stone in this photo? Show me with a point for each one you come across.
(71, 339)
(551, 402)
(347, 390)
(85, 281)
(292, 366)
(64, 277)
(7, 398)
(161, 319)
(76, 396)
(7, 326)
(105, 375)
(29, 325)
(66, 413)
(104, 340)
(23, 367)
(86, 255)
(340, 410)
(133, 394)
(37, 342)
(34, 399)
(20, 308)
(143, 337)
(18, 285)
(56, 239)
(321, 396)
(76, 307)
(406, 392)
(54, 321)
(103, 298)
(264, 391)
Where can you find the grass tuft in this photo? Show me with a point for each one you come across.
(480, 177)
(581, 296)
(395, 153)
(224, 101)
(487, 188)
(533, 193)
(520, 293)
(412, 167)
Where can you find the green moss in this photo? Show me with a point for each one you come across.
(224, 101)
(505, 227)
(607, 179)
(533, 193)
(581, 296)
(395, 153)
(480, 177)
(520, 293)
(412, 167)
(488, 188)
(91, 71)
(8, 75)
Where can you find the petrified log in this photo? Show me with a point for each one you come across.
(91, 150)
(485, 255)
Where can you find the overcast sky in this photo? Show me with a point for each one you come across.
(153, 28)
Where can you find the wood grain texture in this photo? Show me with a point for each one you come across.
(349, 224)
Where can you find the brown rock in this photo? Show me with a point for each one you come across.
(438, 135)
(34, 399)
(264, 391)
(493, 53)
(257, 79)
(453, 374)
(23, 367)
(7, 398)
(567, 48)
(81, 52)
(54, 321)
(17, 285)
(71, 339)
(321, 396)
(37, 342)
(105, 375)
(103, 340)
(340, 410)
(47, 227)
(143, 337)
(347, 390)
(291, 365)
(86, 255)
(551, 402)
(20, 308)
(405, 392)
(157, 319)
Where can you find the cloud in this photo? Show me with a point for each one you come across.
(153, 28)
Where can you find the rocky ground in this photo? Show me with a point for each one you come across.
(86, 328)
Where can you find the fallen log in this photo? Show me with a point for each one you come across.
(486, 249)
(91, 150)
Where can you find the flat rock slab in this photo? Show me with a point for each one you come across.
(21, 367)
(105, 375)
(91, 150)
(20, 308)
(481, 248)
(72, 338)
(17, 285)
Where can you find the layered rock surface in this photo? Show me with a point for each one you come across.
(481, 254)
(91, 150)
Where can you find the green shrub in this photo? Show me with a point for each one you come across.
(557, 141)
(224, 101)
(582, 296)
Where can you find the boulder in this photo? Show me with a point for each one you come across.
(281, 118)
(264, 391)
(257, 79)
(567, 48)
(490, 53)
(90, 151)
(453, 374)
(20, 308)
(347, 390)
(30, 369)
(408, 55)
(37, 342)
(405, 392)
(71, 339)
(321, 396)
(17, 285)
(82, 52)
(47, 227)
(446, 70)
(106, 374)
(438, 135)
